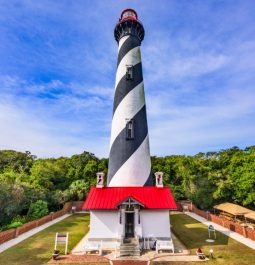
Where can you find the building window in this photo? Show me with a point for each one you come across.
(129, 72)
(130, 129)
(120, 212)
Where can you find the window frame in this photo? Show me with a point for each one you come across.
(129, 72)
(130, 132)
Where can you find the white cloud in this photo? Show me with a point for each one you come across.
(63, 125)
(223, 122)
(198, 72)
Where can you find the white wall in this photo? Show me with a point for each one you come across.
(155, 223)
(104, 224)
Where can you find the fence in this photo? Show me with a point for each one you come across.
(12, 233)
(242, 230)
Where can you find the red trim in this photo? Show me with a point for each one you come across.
(108, 198)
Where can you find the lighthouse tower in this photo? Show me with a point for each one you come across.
(129, 160)
(129, 209)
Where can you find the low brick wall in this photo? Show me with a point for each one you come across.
(78, 205)
(242, 230)
(26, 227)
(67, 206)
(7, 235)
(12, 233)
(250, 233)
(44, 219)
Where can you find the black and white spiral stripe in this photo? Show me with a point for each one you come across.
(129, 160)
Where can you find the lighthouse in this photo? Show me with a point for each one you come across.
(129, 159)
(130, 209)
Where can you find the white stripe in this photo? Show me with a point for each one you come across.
(133, 57)
(127, 109)
(122, 40)
(135, 171)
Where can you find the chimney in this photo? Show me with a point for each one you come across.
(159, 179)
(100, 179)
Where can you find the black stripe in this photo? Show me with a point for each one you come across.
(122, 149)
(128, 45)
(125, 86)
(149, 181)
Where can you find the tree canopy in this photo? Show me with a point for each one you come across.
(206, 179)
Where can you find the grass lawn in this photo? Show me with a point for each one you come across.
(193, 234)
(37, 249)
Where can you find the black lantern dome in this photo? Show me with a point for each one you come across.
(129, 25)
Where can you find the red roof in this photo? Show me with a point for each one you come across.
(108, 198)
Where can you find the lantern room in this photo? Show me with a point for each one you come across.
(128, 14)
(129, 24)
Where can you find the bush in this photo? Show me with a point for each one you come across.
(18, 218)
(38, 209)
(14, 225)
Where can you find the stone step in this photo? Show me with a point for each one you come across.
(129, 244)
(129, 253)
(130, 240)
(129, 249)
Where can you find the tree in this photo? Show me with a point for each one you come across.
(38, 209)
(78, 190)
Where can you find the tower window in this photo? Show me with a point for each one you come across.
(130, 130)
(129, 72)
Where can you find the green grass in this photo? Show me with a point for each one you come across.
(193, 235)
(37, 250)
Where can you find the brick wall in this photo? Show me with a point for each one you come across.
(67, 207)
(44, 219)
(78, 205)
(12, 233)
(245, 231)
(250, 233)
(26, 227)
(7, 235)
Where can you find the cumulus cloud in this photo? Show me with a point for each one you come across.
(58, 63)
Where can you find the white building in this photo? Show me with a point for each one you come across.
(120, 213)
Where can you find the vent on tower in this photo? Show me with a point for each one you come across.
(129, 72)
(130, 130)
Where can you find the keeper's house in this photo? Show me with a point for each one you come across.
(119, 213)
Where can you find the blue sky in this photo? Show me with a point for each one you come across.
(57, 72)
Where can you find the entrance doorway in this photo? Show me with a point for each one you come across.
(129, 225)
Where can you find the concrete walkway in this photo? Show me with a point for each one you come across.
(79, 248)
(30, 233)
(246, 241)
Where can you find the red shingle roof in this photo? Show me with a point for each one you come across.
(108, 198)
